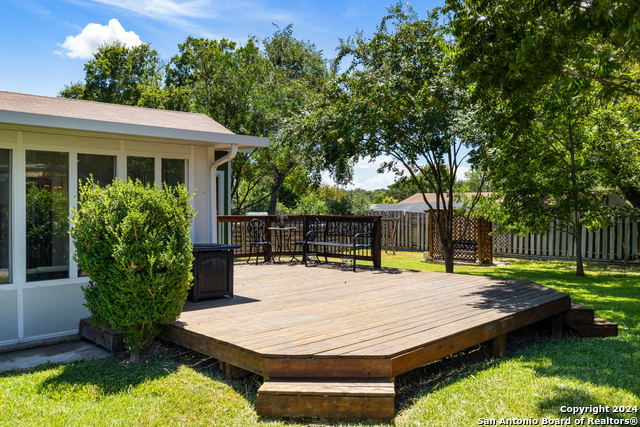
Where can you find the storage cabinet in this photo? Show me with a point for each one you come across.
(212, 271)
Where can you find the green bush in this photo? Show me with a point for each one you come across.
(133, 241)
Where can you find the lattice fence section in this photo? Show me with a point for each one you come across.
(502, 243)
(458, 229)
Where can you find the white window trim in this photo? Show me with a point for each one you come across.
(18, 205)
(18, 220)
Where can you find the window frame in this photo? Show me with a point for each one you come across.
(11, 214)
(71, 160)
(18, 271)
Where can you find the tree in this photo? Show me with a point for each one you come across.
(517, 51)
(255, 92)
(299, 71)
(548, 174)
(117, 74)
(616, 146)
(226, 82)
(400, 98)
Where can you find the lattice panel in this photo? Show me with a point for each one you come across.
(485, 242)
(503, 243)
(457, 230)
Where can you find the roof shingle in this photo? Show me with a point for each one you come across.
(100, 111)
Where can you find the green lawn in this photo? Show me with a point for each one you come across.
(177, 387)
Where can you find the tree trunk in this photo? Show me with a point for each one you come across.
(448, 259)
(278, 179)
(577, 226)
(445, 232)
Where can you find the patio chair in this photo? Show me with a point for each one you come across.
(314, 227)
(255, 232)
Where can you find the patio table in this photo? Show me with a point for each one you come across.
(283, 241)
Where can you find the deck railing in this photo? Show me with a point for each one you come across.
(239, 235)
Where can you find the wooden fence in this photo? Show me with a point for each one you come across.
(608, 244)
(238, 233)
(412, 233)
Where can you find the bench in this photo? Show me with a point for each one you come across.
(347, 234)
(467, 247)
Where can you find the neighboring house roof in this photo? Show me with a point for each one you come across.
(18, 108)
(416, 203)
(431, 197)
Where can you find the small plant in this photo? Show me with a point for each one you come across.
(134, 243)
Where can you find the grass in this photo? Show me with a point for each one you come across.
(538, 376)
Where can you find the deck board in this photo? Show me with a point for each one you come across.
(291, 320)
(396, 318)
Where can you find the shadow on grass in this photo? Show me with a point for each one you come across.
(612, 362)
(104, 376)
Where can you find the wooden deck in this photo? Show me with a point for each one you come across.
(288, 322)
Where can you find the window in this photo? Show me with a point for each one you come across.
(173, 171)
(102, 168)
(47, 215)
(142, 168)
(5, 215)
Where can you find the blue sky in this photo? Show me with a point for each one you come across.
(46, 43)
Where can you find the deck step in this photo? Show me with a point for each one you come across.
(578, 315)
(600, 328)
(326, 398)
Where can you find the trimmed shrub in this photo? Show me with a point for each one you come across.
(134, 243)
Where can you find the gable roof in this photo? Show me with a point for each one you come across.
(77, 114)
(431, 197)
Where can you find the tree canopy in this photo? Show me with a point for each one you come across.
(117, 74)
(398, 98)
(520, 46)
(514, 53)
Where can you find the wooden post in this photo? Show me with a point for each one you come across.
(431, 235)
(232, 372)
(376, 250)
(556, 326)
(500, 346)
(267, 237)
(480, 239)
(489, 244)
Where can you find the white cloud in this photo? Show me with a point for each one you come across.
(182, 13)
(163, 8)
(93, 35)
(366, 175)
(381, 180)
(461, 171)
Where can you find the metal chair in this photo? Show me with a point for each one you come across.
(255, 232)
(314, 227)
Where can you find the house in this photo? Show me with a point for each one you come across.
(46, 146)
(416, 203)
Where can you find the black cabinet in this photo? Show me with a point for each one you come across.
(212, 271)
